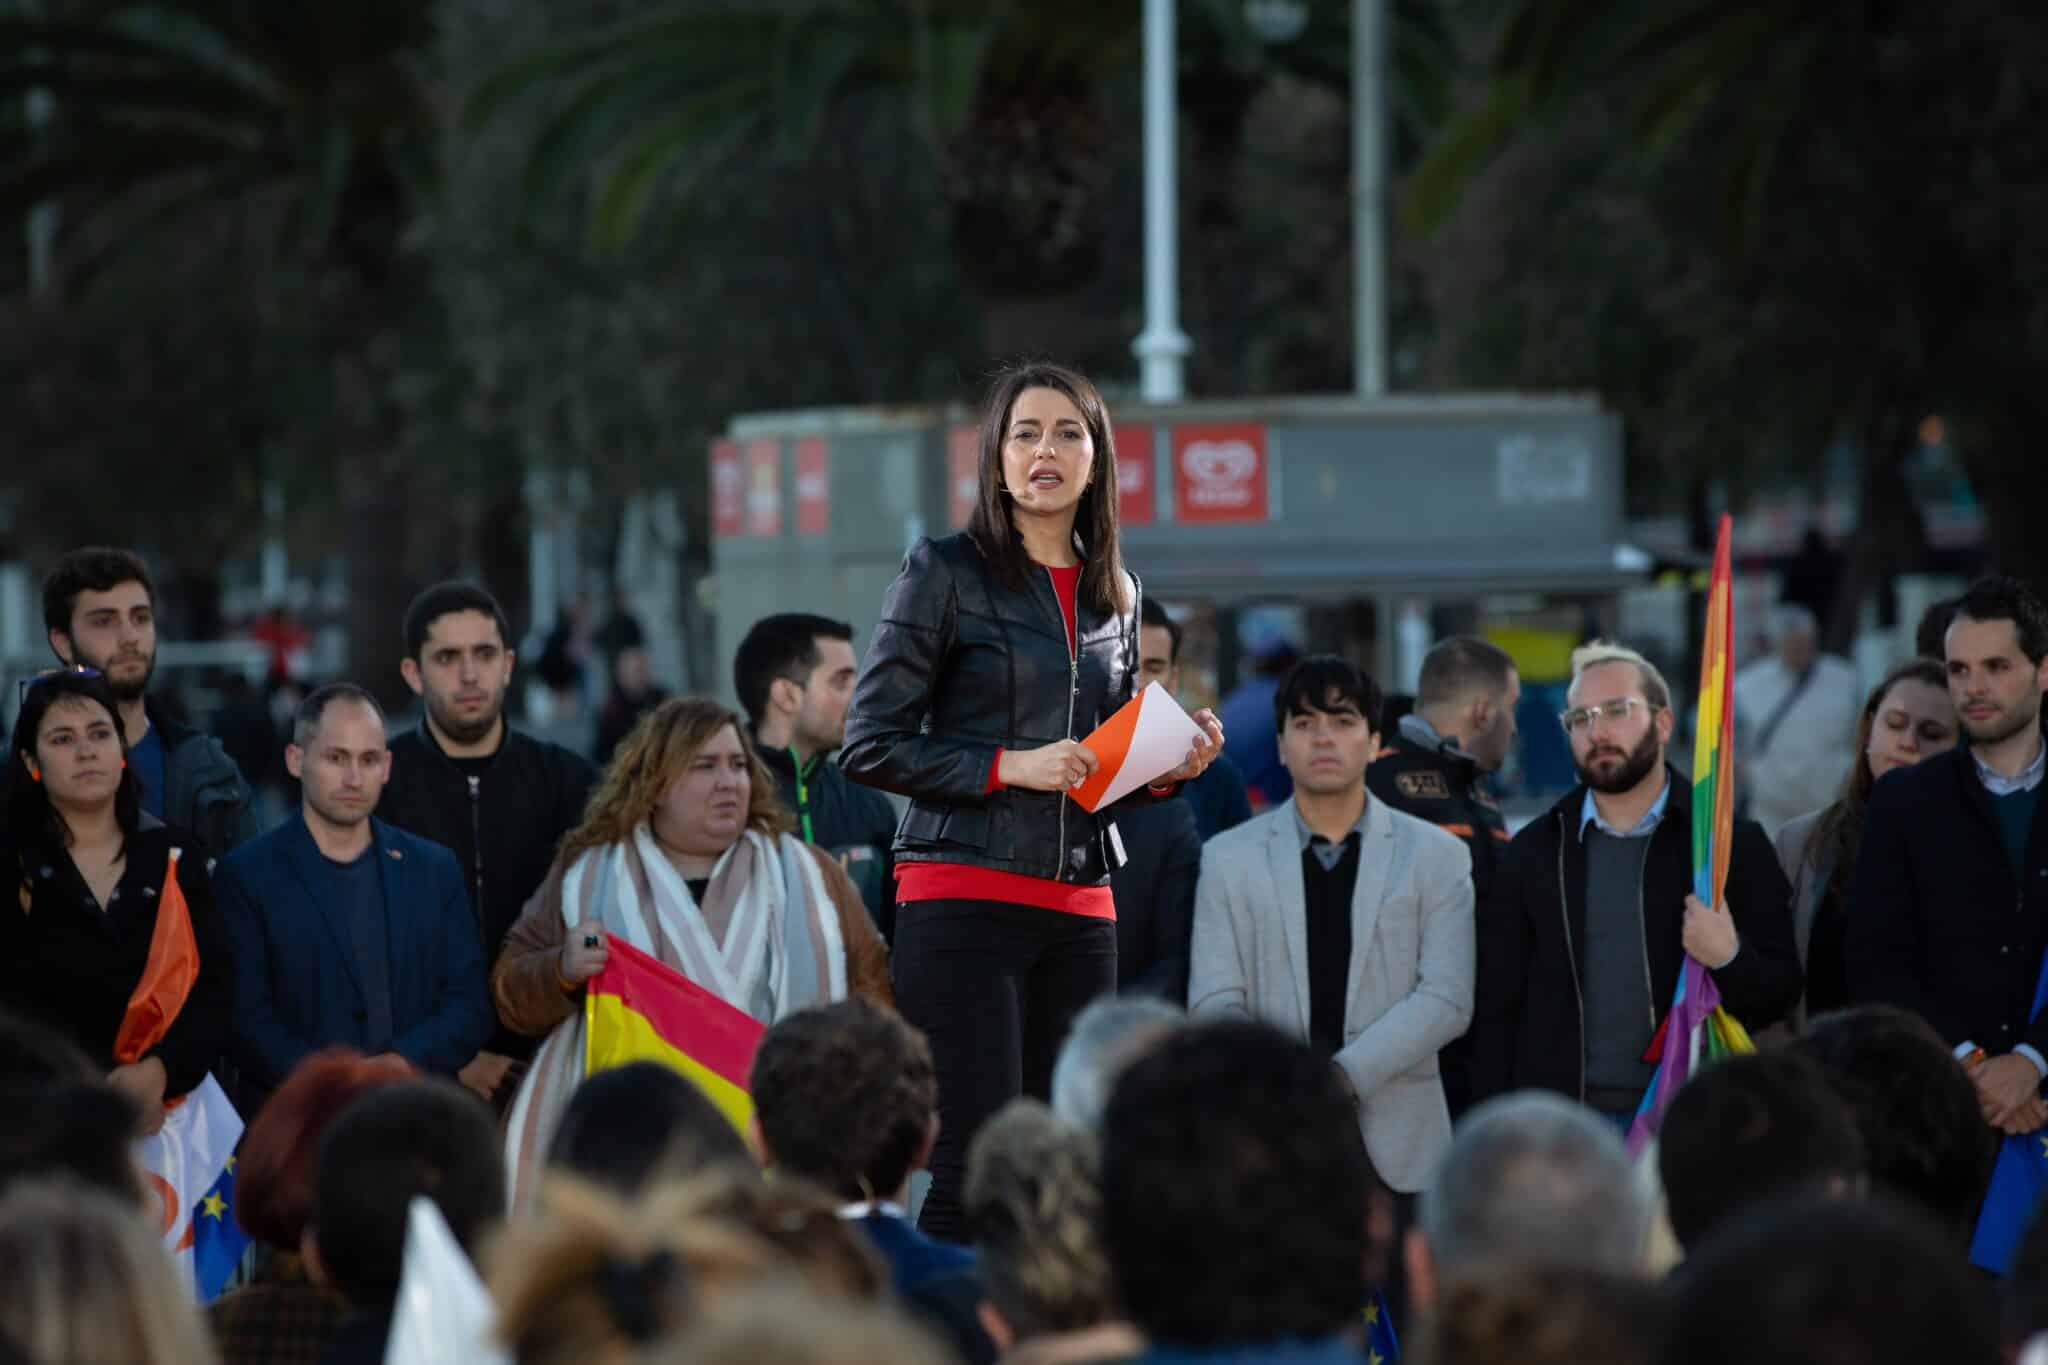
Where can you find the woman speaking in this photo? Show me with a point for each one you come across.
(996, 649)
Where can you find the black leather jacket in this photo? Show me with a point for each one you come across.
(961, 667)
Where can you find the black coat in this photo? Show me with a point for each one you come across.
(1528, 1021)
(961, 668)
(844, 819)
(72, 967)
(1155, 899)
(502, 828)
(1937, 922)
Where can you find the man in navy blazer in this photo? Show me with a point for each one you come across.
(347, 930)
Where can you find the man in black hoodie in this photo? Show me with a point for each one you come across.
(501, 800)
(794, 676)
(1592, 912)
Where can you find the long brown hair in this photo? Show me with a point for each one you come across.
(993, 526)
(648, 762)
(1839, 831)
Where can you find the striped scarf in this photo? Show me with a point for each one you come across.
(765, 939)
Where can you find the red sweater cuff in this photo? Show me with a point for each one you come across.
(995, 784)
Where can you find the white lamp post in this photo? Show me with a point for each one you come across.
(1162, 346)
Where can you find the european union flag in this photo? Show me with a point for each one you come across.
(2017, 1182)
(218, 1242)
(1381, 1346)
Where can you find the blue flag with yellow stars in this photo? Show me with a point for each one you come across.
(218, 1242)
(2017, 1182)
(1381, 1346)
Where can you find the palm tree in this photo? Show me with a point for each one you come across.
(1009, 100)
(1863, 169)
(305, 128)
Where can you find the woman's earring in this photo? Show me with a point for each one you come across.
(35, 774)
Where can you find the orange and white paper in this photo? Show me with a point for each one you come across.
(1146, 739)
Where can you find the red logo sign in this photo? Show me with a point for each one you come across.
(1135, 501)
(728, 490)
(963, 473)
(813, 488)
(1219, 473)
(764, 488)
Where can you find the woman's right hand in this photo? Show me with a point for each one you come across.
(1060, 766)
(583, 956)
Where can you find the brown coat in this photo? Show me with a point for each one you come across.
(527, 989)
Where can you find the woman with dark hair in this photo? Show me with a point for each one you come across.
(996, 651)
(1907, 717)
(685, 854)
(92, 923)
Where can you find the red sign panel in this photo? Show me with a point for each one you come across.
(813, 488)
(764, 488)
(963, 473)
(1136, 503)
(1219, 473)
(728, 490)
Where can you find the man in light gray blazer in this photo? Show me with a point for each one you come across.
(1344, 922)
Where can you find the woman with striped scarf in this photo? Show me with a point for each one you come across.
(685, 854)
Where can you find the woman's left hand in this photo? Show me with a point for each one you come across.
(143, 1082)
(1208, 744)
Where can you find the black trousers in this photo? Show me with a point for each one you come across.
(994, 987)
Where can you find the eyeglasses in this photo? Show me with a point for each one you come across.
(31, 683)
(1579, 717)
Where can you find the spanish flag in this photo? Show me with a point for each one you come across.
(638, 1010)
(1698, 1030)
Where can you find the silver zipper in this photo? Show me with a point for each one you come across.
(1571, 955)
(1073, 691)
(476, 842)
(1643, 937)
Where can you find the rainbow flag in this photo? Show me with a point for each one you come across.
(638, 1010)
(1698, 1030)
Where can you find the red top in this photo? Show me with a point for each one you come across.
(957, 881)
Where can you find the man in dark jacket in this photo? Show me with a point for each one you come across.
(1950, 900)
(794, 676)
(1155, 899)
(499, 799)
(1217, 797)
(344, 929)
(99, 609)
(1434, 766)
(1592, 913)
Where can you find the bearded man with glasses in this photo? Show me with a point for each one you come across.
(1591, 912)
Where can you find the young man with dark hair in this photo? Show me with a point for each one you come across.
(794, 675)
(846, 1097)
(1835, 1280)
(1950, 897)
(1592, 912)
(345, 929)
(99, 612)
(1925, 1141)
(423, 1139)
(499, 799)
(1218, 795)
(1434, 765)
(1345, 923)
(1749, 1130)
(1235, 1196)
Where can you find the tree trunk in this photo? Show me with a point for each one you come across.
(1891, 534)
(376, 513)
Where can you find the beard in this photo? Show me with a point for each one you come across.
(1634, 768)
(462, 731)
(124, 689)
(2006, 723)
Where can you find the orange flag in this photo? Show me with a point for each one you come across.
(167, 978)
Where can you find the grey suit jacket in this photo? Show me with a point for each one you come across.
(1412, 965)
